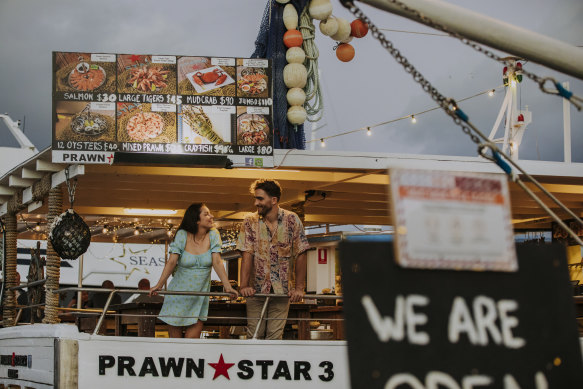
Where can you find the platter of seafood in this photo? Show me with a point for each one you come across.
(147, 78)
(85, 77)
(145, 125)
(89, 124)
(204, 80)
(252, 81)
(252, 129)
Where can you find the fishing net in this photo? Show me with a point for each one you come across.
(269, 44)
(70, 235)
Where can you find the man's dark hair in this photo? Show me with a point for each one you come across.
(271, 187)
(107, 284)
(144, 284)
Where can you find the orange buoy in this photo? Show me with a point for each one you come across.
(292, 38)
(358, 28)
(345, 52)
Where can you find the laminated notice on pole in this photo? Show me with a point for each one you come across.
(450, 220)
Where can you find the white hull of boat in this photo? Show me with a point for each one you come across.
(58, 356)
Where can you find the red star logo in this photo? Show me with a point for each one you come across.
(221, 368)
(135, 58)
(110, 159)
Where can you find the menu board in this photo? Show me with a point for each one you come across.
(105, 104)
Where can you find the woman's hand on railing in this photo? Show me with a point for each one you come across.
(247, 291)
(234, 294)
(154, 290)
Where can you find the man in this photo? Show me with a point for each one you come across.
(272, 241)
(98, 300)
(144, 284)
(22, 300)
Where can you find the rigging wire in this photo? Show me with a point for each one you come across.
(415, 32)
(366, 128)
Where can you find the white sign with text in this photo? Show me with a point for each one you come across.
(449, 220)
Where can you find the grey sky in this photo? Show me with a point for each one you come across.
(370, 89)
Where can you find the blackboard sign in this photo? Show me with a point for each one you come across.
(413, 328)
(160, 104)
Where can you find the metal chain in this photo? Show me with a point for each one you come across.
(575, 100)
(70, 186)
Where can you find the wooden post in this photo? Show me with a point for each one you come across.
(9, 311)
(53, 260)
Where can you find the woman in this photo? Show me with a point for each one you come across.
(196, 246)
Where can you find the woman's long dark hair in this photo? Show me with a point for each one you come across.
(191, 217)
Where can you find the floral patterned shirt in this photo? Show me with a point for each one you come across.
(274, 252)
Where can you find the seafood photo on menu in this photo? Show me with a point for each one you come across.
(137, 74)
(200, 125)
(77, 73)
(137, 123)
(77, 121)
(197, 75)
(253, 129)
(252, 82)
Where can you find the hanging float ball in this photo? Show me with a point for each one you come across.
(358, 28)
(343, 31)
(345, 52)
(329, 26)
(295, 55)
(290, 17)
(320, 9)
(295, 75)
(296, 96)
(292, 38)
(296, 114)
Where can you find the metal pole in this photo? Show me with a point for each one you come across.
(567, 126)
(98, 326)
(80, 283)
(499, 35)
(261, 317)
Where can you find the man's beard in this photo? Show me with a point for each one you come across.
(264, 210)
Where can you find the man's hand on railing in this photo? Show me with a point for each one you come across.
(247, 291)
(296, 295)
(234, 294)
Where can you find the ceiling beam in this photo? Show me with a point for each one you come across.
(17, 182)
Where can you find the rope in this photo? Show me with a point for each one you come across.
(53, 261)
(312, 89)
(15, 203)
(9, 311)
(41, 188)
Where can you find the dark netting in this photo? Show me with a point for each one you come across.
(269, 44)
(70, 235)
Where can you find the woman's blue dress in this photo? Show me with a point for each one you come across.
(193, 273)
